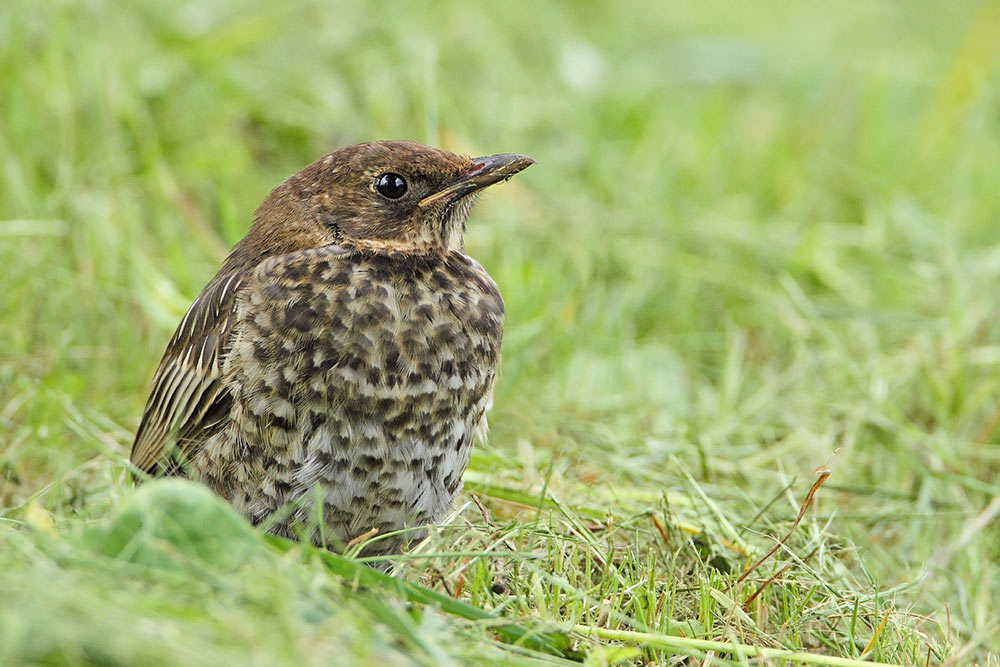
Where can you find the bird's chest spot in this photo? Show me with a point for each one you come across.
(369, 353)
(424, 339)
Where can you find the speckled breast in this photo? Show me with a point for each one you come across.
(358, 381)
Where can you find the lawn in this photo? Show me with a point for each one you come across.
(760, 240)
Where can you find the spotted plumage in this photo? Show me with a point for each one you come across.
(330, 379)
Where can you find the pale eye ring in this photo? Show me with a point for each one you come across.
(390, 185)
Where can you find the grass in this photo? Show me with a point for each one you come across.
(760, 238)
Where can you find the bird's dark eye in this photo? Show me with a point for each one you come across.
(390, 185)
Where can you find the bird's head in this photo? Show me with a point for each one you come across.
(399, 196)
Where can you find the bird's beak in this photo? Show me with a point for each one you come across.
(484, 171)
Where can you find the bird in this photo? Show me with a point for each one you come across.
(329, 381)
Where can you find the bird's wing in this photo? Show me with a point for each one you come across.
(189, 401)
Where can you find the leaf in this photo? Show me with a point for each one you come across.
(174, 524)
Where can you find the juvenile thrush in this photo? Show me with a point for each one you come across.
(330, 378)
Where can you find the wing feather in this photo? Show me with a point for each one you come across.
(189, 401)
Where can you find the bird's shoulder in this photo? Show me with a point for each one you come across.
(188, 400)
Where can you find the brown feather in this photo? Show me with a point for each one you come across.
(189, 401)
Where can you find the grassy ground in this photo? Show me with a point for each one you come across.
(760, 238)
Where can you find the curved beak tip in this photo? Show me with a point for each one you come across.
(483, 172)
(506, 164)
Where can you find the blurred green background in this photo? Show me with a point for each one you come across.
(759, 237)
